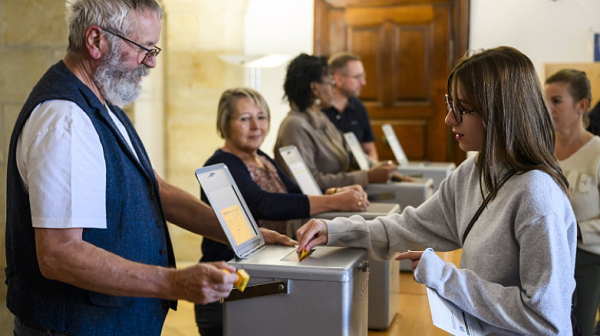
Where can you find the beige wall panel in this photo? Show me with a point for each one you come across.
(197, 32)
(205, 24)
(592, 70)
(6, 318)
(32, 37)
(37, 22)
(8, 116)
(185, 244)
(21, 70)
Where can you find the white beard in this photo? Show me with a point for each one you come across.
(117, 84)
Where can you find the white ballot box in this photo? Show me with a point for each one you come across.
(325, 294)
(384, 283)
(437, 171)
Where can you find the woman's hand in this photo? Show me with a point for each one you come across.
(414, 256)
(382, 172)
(311, 234)
(401, 177)
(351, 199)
(356, 187)
(275, 238)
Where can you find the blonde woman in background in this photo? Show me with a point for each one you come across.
(568, 93)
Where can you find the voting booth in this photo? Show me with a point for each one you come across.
(384, 284)
(404, 193)
(438, 171)
(325, 294)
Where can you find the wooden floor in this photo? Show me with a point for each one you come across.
(413, 316)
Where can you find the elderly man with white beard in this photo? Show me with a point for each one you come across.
(87, 246)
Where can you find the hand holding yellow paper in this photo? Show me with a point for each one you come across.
(242, 279)
(302, 255)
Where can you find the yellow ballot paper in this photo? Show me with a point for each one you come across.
(236, 223)
(242, 279)
(302, 255)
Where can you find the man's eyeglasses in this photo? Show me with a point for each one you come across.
(358, 77)
(456, 110)
(149, 52)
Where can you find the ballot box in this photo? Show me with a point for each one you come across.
(406, 193)
(324, 294)
(438, 171)
(403, 193)
(384, 282)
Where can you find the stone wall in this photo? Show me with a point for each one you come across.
(33, 37)
(196, 31)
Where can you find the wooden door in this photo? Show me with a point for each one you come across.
(408, 48)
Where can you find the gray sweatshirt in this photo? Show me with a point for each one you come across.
(516, 272)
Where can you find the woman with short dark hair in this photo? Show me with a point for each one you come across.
(308, 88)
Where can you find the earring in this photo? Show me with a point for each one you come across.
(317, 101)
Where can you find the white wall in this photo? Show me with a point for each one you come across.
(279, 27)
(548, 31)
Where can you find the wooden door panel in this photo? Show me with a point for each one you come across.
(411, 64)
(337, 28)
(411, 135)
(368, 16)
(364, 41)
(406, 48)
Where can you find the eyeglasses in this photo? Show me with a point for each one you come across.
(358, 77)
(457, 111)
(149, 52)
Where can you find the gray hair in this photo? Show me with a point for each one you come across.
(226, 107)
(110, 14)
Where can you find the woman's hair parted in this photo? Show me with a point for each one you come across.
(227, 104)
(303, 70)
(110, 14)
(579, 87)
(502, 86)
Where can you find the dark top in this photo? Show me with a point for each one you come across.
(594, 125)
(354, 119)
(262, 204)
(136, 228)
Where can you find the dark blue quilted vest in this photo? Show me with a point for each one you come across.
(136, 228)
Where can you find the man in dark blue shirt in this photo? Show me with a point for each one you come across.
(347, 112)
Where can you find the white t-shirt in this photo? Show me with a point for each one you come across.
(582, 170)
(61, 162)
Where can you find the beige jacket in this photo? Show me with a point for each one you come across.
(322, 148)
